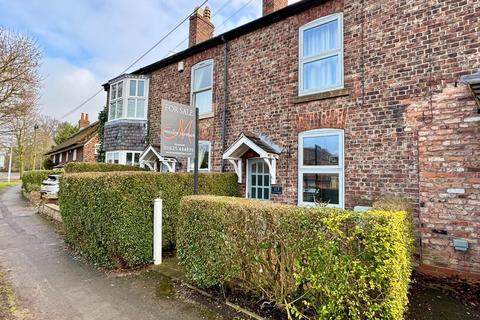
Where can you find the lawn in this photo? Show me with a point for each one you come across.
(4, 184)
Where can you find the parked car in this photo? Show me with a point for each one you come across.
(51, 186)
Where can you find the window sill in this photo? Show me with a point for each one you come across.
(322, 95)
(206, 115)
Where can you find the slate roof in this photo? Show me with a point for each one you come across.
(77, 140)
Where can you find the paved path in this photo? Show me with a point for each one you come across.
(54, 285)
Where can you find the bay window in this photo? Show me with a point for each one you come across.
(321, 55)
(128, 99)
(204, 156)
(202, 87)
(320, 168)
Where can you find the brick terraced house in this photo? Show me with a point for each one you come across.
(80, 147)
(337, 101)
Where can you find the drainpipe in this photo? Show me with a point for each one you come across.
(225, 102)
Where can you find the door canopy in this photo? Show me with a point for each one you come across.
(261, 145)
(152, 159)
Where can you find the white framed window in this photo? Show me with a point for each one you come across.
(74, 155)
(136, 99)
(321, 167)
(112, 157)
(97, 148)
(128, 99)
(321, 55)
(202, 87)
(115, 110)
(204, 157)
(131, 158)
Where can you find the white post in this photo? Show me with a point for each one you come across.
(157, 231)
(10, 164)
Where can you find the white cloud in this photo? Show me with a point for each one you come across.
(90, 41)
(65, 86)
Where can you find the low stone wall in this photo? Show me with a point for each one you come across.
(50, 210)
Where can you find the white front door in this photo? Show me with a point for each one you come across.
(258, 179)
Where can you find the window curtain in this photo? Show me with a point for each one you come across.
(321, 73)
(320, 39)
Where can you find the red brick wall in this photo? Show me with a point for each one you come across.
(398, 54)
(89, 150)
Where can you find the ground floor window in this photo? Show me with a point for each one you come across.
(320, 167)
(258, 179)
(131, 158)
(204, 156)
(112, 157)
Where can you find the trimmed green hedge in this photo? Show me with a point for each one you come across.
(32, 180)
(77, 167)
(108, 217)
(336, 264)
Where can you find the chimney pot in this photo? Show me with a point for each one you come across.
(207, 13)
(83, 122)
(270, 6)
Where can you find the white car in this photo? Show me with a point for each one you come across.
(51, 186)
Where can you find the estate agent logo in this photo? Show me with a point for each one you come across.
(178, 130)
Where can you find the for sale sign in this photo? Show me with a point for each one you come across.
(178, 130)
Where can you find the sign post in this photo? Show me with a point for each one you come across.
(195, 165)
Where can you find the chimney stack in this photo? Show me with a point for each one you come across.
(84, 121)
(270, 6)
(201, 28)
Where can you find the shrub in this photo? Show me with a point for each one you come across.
(336, 263)
(108, 217)
(393, 204)
(77, 167)
(32, 180)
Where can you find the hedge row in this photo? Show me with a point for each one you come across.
(335, 264)
(77, 167)
(108, 217)
(32, 180)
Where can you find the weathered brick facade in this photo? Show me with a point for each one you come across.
(410, 129)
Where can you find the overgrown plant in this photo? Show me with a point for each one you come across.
(78, 167)
(108, 217)
(333, 264)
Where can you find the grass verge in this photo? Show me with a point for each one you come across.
(8, 305)
(5, 184)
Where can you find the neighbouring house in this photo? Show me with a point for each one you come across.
(334, 101)
(80, 147)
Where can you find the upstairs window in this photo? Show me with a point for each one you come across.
(136, 100)
(128, 99)
(202, 84)
(116, 101)
(321, 55)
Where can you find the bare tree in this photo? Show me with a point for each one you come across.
(19, 76)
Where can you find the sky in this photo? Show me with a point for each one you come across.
(87, 42)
